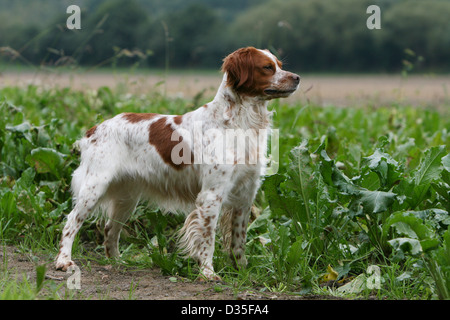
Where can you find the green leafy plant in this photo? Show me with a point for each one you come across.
(356, 187)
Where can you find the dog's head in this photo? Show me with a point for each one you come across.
(258, 73)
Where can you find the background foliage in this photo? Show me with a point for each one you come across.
(312, 35)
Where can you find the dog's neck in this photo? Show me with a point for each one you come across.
(239, 111)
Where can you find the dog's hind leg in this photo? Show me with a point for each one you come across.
(119, 211)
(90, 192)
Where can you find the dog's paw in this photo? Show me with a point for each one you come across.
(64, 265)
(207, 274)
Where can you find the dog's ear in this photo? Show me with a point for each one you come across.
(239, 67)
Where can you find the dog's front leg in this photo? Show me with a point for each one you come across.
(199, 230)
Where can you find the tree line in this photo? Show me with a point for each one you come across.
(309, 35)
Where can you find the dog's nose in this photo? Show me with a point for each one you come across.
(296, 78)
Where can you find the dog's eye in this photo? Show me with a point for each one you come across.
(268, 67)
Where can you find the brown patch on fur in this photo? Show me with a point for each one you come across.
(231, 105)
(91, 131)
(160, 136)
(137, 117)
(230, 101)
(178, 119)
(207, 221)
(208, 232)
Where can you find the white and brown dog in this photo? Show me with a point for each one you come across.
(183, 163)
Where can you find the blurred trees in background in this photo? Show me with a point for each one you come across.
(309, 35)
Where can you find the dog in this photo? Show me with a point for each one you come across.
(184, 163)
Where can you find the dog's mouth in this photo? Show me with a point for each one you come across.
(275, 92)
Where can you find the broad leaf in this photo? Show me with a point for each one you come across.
(300, 172)
(407, 223)
(372, 201)
(446, 162)
(385, 166)
(430, 166)
(446, 171)
(376, 201)
(406, 245)
(46, 160)
(335, 177)
(280, 204)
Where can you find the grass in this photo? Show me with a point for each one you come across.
(356, 187)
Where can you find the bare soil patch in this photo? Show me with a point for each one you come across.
(108, 282)
(112, 282)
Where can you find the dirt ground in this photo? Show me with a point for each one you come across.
(98, 282)
(340, 90)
